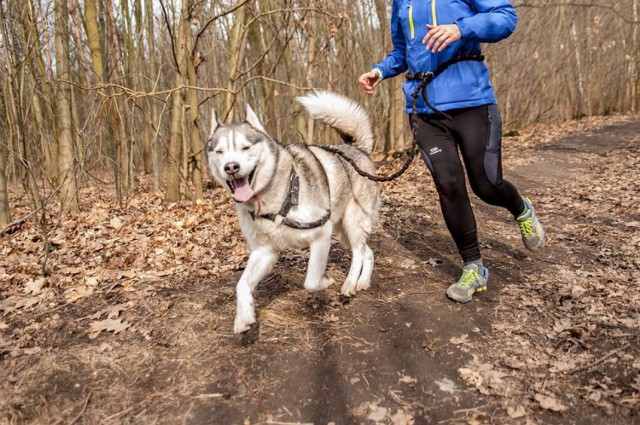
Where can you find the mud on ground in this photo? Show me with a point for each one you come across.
(133, 323)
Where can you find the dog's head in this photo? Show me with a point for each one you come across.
(242, 157)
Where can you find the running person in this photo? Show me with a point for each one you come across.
(426, 34)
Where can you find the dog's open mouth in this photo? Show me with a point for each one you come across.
(241, 188)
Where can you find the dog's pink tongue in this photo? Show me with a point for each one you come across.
(243, 191)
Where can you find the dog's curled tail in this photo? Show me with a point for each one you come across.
(346, 116)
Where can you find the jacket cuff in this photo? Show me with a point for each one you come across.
(465, 32)
(377, 68)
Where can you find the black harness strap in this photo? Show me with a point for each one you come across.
(425, 78)
(291, 200)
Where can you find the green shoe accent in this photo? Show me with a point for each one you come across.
(474, 279)
(533, 233)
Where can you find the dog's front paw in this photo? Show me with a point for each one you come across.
(245, 317)
(324, 283)
(348, 288)
(363, 285)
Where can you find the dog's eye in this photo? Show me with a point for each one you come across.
(246, 148)
(218, 151)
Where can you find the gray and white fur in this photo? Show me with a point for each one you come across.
(256, 169)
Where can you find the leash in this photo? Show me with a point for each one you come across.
(425, 78)
(294, 184)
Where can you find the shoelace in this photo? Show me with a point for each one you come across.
(527, 227)
(468, 278)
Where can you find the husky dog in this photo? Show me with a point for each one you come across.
(297, 196)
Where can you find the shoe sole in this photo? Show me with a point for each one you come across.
(466, 300)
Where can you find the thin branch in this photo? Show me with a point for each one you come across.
(212, 20)
(173, 45)
(597, 362)
(19, 222)
(135, 94)
(610, 7)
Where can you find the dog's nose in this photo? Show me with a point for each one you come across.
(231, 168)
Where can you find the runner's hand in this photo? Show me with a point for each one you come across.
(369, 80)
(440, 36)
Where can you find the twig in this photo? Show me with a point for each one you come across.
(597, 362)
(115, 415)
(578, 4)
(84, 408)
(444, 421)
(18, 222)
(134, 93)
(173, 45)
(213, 19)
(395, 397)
(287, 423)
(26, 217)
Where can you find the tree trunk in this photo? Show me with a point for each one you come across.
(172, 190)
(5, 212)
(635, 60)
(16, 113)
(66, 163)
(42, 105)
(142, 85)
(398, 116)
(195, 158)
(237, 43)
(156, 152)
(93, 37)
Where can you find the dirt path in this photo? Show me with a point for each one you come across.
(554, 340)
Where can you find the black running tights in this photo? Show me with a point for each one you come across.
(476, 133)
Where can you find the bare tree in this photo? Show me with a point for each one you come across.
(179, 51)
(129, 91)
(5, 213)
(66, 158)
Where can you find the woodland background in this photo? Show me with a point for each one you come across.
(108, 91)
(117, 280)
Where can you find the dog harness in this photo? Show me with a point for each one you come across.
(291, 200)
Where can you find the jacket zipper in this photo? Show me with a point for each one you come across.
(433, 12)
(411, 27)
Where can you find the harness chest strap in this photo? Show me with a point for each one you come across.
(289, 201)
(425, 78)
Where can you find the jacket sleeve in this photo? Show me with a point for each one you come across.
(494, 21)
(395, 63)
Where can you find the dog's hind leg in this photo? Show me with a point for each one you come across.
(357, 257)
(364, 280)
(260, 263)
(356, 228)
(316, 279)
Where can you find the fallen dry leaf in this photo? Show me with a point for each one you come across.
(459, 340)
(108, 325)
(446, 385)
(74, 294)
(516, 412)
(34, 287)
(550, 403)
(402, 418)
(378, 413)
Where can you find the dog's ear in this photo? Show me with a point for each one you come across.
(214, 122)
(253, 121)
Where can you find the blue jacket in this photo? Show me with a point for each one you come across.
(463, 84)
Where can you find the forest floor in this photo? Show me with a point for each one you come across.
(133, 322)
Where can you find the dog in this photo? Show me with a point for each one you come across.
(298, 195)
